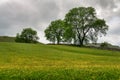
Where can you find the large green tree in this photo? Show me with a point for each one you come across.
(84, 26)
(55, 31)
(28, 35)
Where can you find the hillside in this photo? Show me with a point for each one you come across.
(7, 39)
(57, 62)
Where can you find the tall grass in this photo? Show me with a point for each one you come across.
(60, 74)
(57, 62)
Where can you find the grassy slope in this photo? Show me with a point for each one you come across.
(7, 39)
(57, 62)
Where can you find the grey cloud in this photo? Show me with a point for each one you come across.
(116, 31)
(102, 3)
(18, 14)
(105, 8)
(106, 3)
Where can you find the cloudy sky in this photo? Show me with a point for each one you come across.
(37, 14)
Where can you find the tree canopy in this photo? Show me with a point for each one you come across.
(79, 27)
(84, 25)
(28, 35)
(55, 31)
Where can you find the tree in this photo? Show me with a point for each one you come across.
(84, 25)
(28, 35)
(105, 45)
(55, 31)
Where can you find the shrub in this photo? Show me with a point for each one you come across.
(105, 45)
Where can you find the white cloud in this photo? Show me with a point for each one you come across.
(3, 1)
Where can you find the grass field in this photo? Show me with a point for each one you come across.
(57, 62)
(7, 39)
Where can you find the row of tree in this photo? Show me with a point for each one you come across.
(80, 26)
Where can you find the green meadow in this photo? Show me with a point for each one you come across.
(19, 61)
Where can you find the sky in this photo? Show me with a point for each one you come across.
(38, 14)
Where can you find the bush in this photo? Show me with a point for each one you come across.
(105, 45)
(28, 35)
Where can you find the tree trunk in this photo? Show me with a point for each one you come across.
(58, 40)
(81, 44)
(80, 41)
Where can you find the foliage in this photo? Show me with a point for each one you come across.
(28, 35)
(105, 45)
(85, 26)
(55, 31)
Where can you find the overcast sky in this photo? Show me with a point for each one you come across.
(37, 14)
